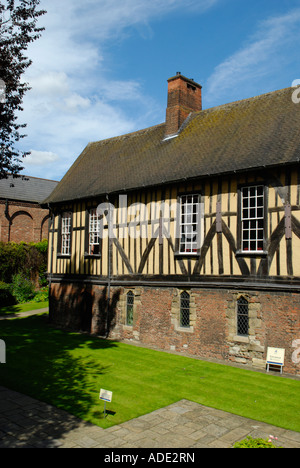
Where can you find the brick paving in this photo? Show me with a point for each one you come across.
(28, 423)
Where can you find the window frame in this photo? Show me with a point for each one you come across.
(240, 316)
(180, 224)
(61, 242)
(255, 220)
(88, 233)
(129, 294)
(185, 296)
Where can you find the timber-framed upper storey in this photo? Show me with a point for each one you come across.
(205, 228)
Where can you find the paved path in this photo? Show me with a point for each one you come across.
(23, 314)
(28, 423)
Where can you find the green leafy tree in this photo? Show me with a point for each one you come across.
(18, 28)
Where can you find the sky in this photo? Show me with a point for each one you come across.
(100, 68)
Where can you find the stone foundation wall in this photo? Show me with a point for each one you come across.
(274, 320)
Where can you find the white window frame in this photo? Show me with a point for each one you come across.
(252, 218)
(66, 223)
(94, 232)
(189, 224)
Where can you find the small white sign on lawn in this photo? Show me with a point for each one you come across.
(105, 395)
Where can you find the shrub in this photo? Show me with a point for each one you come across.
(42, 295)
(22, 288)
(249, 442)
(27, 259)
(6, 297)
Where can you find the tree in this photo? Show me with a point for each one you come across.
(18, 28)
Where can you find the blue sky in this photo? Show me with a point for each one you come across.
(100, 68)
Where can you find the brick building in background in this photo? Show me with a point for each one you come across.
(21, 216)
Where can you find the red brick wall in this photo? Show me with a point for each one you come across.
(27, 222)
(184, 96)
(275, 321)
(282, 321)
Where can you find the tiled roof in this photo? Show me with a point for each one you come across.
(26, 188)
(258, 132)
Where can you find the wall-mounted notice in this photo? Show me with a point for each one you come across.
(275, 357)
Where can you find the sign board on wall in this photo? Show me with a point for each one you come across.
(275, 357)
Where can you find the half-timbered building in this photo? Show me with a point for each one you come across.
(186, 236)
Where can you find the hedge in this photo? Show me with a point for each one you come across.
(28, 259)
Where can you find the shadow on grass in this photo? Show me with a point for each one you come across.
(24, 307)
(8, 310)
(53, 367)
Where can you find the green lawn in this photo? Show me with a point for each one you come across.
(68, 370)
(27, 306)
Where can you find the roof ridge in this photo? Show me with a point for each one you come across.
(39, 178)
(23, 176)
(130, 134)
(245, 100)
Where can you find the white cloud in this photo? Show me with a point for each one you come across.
(73, 99)
(40, 158)
(75, 102)
(111, 17)
(263, 54)
(49, 83)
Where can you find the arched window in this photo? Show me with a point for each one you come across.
(129, 308)
(242, 317)
(184, 309)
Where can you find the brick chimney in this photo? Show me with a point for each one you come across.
(184, 97)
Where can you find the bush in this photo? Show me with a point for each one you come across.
(42, 295)
(6, 297)
(28, 259)
(22, 288)
(249, 442)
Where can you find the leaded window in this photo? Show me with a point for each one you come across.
(66, 222)
(185, 309)
(242, 317)
(189, 224)
(252, 217)
(129, 307)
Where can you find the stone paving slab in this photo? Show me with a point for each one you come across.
(28, 423)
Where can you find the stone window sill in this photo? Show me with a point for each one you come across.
(241, 339)
(185, 329)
